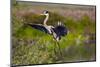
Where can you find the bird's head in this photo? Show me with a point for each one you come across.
(45, 13)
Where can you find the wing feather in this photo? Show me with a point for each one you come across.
(60, 30)
(39, 27)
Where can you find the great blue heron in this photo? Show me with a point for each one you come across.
(57, 32)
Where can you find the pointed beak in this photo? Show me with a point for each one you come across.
(41, 14)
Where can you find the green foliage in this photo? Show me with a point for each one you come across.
(31, 46)
(14, 2)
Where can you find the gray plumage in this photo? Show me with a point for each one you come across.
(57, 31)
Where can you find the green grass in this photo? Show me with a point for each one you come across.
(30, 46)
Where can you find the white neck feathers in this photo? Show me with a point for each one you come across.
(46, 19)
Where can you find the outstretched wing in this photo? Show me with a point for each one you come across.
(60, 30)
(39, 27)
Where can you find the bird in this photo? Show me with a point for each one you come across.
(56, 31)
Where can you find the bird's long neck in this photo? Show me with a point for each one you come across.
(46, 19)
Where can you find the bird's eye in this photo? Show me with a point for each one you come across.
(46, 12)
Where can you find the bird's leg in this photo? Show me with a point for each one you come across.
(57, 43)
(59, 48)
(54, 48)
